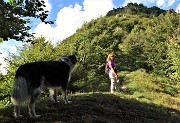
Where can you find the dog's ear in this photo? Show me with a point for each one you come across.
(73, 58)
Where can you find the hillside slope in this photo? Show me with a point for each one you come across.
(146, 49)
(96, 107)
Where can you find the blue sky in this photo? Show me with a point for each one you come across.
(69, 15)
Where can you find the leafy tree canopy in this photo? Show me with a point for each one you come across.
(13, 18)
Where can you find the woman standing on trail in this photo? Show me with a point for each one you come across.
(112, 71)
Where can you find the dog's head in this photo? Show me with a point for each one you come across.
(70, 60)
(73, 59)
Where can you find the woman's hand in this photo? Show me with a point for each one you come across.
(116, 77)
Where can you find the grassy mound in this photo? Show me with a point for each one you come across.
(143, 98)
(95, 107)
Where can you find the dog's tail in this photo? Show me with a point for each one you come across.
(19, 91)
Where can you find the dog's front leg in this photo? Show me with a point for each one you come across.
(64, 94)
(32, 112)
(34, 96)
(17, 111)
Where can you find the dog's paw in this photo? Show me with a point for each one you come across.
(68, 102)
(17, 116)
(35, 116)
(54, 101)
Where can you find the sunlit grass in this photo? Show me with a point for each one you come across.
(144, 87)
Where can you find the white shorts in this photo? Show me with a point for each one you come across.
(111, 75)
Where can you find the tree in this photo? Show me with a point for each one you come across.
(15, 16)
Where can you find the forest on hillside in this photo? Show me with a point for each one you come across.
(147, 39)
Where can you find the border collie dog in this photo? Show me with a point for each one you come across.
(31, 77)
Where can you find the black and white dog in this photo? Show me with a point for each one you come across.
(31, 77)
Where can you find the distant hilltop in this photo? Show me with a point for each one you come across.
(140, 9)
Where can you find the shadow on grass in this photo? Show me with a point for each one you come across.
(96, 107)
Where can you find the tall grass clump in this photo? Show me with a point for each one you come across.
(146, 87)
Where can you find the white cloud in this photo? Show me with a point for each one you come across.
(6, 48)
(160, 2)
(72, 17)
(178, 9)
(95, 8)
(13, 49)
(170, 2)
(165, 3)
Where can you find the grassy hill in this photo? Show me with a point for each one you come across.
(142, 99)
(96, 107)
(146, 43)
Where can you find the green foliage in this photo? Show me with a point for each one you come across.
(174, 56)
(37, 50)
(140, 81)
(91, 44)
(139, 9)
(171, 90)
(13, 18)
(143, 45)
(5, 91)
(1, 40)
(149, 50)
(133, 39)
(149, 88)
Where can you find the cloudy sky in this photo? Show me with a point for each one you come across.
(71, 14)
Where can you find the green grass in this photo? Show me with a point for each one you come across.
(145, 87)
(95, 107)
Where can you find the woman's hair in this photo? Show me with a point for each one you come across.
(108, 58)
